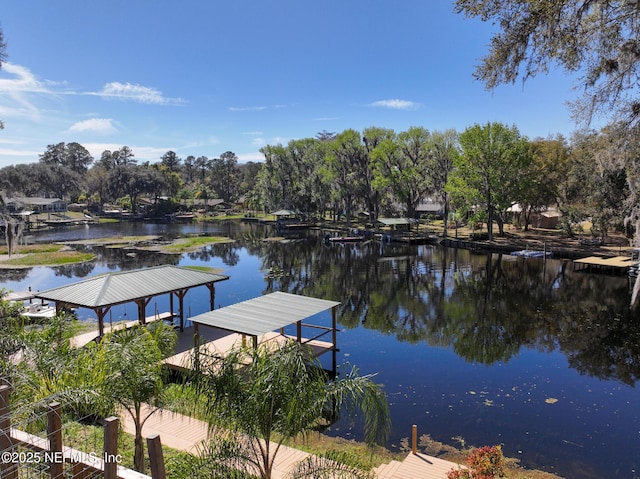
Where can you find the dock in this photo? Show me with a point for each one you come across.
(83, 339)
(218, 342)
(188, 434)
(612, 265)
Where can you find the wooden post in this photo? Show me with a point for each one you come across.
(54, 435)
(8, 470)
(111, 447)
(299, 331)
(334, 340)
(414, 439)
(156, 458)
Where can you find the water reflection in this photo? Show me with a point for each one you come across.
(467, 345)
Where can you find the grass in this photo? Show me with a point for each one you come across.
(89, 439)
(44, 255)
(192, 243)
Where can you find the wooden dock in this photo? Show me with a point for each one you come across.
(187, 434)
(217, 342)
(83, 339)
(614, 265)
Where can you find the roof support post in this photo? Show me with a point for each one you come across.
(142, 307)
(334, 340)
(181, 294)
(101, 313)
(212, 295)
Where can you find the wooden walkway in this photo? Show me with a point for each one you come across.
(187, 434)
(83, 339)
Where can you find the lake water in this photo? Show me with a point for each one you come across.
(489, 349)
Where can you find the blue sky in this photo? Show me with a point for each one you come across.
(204, 77)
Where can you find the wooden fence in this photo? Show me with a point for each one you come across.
(19, 449)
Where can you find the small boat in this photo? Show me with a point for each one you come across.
(345, 239)
(39, 311)
(530, 253)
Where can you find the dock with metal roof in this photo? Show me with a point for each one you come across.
(100, 293)
(258, 321)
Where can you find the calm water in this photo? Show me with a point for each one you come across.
(487, 349)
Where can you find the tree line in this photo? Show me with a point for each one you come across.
(477, 175)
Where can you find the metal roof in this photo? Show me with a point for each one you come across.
(396, 221)
(264, 314)
(126, 286)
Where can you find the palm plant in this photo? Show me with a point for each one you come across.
(268, 395)
(132, 375)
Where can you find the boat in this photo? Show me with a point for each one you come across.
(344, 239)
(39, 311)
(531, 253)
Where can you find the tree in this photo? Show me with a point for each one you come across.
(488, 172)
(273, 394)
(548, 178)
(597, 38)
(443, 151)
(403, 164)
(372, 137)
(346, 161)
(225, 176)
(131, 361)
(171, 161)
(72, 155)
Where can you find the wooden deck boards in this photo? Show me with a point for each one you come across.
(83, 339)
(224, 342)
(187, 434)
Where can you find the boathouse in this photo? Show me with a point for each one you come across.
(258, 321)
(100, 293)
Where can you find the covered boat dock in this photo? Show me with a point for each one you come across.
(100, 293)
(260, 320)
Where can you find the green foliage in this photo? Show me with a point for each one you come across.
(489, 171)
(274, 393)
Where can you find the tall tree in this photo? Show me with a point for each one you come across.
(346, 158)
(598, 39)
(225, 176)
(404, 165)
(371, 138)
(488, 172)
(171, 161)
(443, 151)
(70, 155)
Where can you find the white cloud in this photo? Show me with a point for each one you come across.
(396, 104)
(247, 108)
(137, 93)
(16, 92)
(253, 133)
(94, 125)
(31, 154)
(258, 142)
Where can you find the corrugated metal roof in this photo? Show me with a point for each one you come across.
(126, 286)
(264, 314)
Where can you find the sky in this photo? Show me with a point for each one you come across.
(202, 77)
